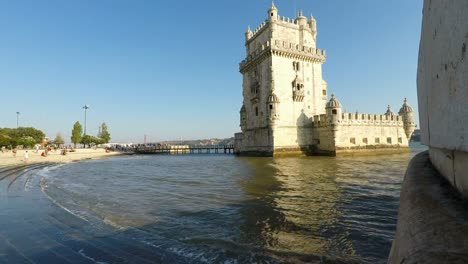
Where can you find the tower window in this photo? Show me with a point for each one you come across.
(334, 111)
(256, 111)
(271, 107)
(324, 92)
(400, 140)
(296, 65)
(271, 14)
(364, 140)
(389, 140)
(352, 140)
(377, 140)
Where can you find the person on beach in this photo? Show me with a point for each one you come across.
(14, 152)
(26, 156)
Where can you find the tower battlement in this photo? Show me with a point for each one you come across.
(282, 21)
(284, 49)
(325, 120)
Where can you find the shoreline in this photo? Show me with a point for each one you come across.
(7, 158)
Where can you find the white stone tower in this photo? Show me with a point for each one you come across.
(282, 85)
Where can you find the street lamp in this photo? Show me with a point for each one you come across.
(85, 107)
(17, 119)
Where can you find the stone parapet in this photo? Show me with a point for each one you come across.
(285, 49)
(358, 119)
(432, 219)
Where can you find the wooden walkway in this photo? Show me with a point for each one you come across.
(178, 150)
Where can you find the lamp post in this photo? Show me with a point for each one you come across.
(17, 119)
(85, 107)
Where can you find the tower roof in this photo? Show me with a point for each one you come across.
(333, 103)
(389, 111)
(273, 98)
(273, 7)
(405, 108)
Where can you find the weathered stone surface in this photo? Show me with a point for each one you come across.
(433, 219)
(443, 75)
(443, 88)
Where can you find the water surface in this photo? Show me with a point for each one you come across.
(226, 209)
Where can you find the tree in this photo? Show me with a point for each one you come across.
(16, 133)
(6, 141)
(90, 140)
(59, 139)
(27, 141)
(104, 133)
(76, 133)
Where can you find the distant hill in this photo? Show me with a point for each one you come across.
(201, 142)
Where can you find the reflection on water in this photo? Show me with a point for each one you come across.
(222, 208)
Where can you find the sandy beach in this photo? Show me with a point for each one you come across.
(7, 158)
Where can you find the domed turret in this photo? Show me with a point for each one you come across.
(333, 103)
(333, 108)
(406, 112)
(389, 111)
(273, 12)
(272, 105)
(248, 34)
(243, 118)
(301, 20)
(313, 27)
(405, 108)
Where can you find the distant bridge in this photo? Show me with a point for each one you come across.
(176, 150)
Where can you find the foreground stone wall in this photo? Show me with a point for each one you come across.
(432, 219)
(443, 88)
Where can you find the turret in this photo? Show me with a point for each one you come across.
(301, 20)
(273, 12)
(333, 109)
(273, 102)
(313, 26)
(243, 118)
(389, 111)
(248, 34)
(272, 105)
(408, 118)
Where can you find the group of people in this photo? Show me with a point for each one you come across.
(63, 151)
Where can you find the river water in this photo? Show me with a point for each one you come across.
(226, 209)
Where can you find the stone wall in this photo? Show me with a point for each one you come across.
(443, 88)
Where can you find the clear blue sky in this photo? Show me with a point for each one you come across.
(169, 69)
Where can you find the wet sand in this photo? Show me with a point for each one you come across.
(7, 158)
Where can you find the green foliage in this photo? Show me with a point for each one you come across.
(21, 132)
(59, 139)
(26, 141)
(6, 141)
(90, 140)
(76, 133)
(104, 133)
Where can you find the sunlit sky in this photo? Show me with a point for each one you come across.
(169, 69)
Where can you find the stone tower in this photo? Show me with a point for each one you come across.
(408, 119)
(333, 109)
(282, 85)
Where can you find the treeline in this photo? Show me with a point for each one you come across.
(22, 136)
(102, 137)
